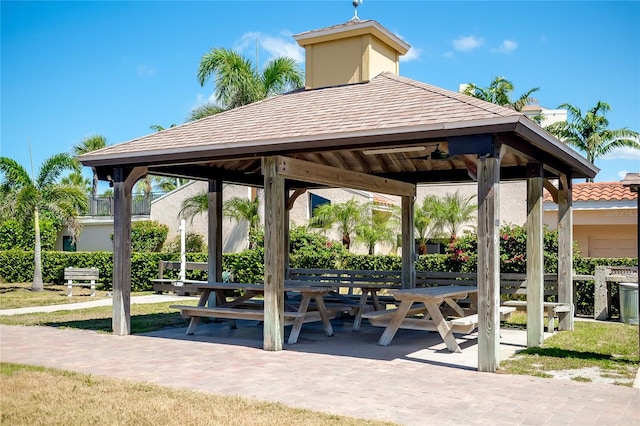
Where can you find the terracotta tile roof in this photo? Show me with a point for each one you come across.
(384, 200)
(386, 103)
(599, 191)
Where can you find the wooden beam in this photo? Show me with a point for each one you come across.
(293, 197)
(214, 231)
(489, 262)
(274, 258)
(408, 243)
(549, 186)
(535, 258)
(291, 168)
(565, 250)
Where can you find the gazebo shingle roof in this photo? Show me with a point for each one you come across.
(330, 112)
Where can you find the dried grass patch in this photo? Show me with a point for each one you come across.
(38, 396)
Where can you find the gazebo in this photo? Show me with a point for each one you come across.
(358, 124)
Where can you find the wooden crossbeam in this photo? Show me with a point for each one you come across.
(305, 171)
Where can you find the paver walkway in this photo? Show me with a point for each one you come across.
(414, 381)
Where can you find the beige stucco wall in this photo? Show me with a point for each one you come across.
(95, 235)
(382, 57)
(348, 60)
(333, 62)
(513, 199)
(165, 210)
(601, 232)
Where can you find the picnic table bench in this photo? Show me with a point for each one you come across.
(513, 288)
(85, 277)
(428, 301)
(238, 308)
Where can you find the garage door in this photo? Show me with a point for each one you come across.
(608, 247)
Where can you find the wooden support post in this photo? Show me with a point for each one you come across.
(489, 262)
(123, 181)
(408, 244)
(214, 233)
(565, 251)
(274, 195)
(535, 257)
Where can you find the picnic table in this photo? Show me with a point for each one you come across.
(428, 301)
(244, 305)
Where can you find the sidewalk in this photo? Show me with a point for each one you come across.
(414, 381)
(153, 298)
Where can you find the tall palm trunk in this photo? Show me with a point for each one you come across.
(93, 209)
(37, 257)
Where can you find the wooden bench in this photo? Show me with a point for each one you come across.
(182, 288)
(462, 325)
(85, 277)
(513, 287)
(236, 308)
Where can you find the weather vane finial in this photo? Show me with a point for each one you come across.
(356, 3)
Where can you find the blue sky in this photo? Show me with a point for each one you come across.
(75, 69)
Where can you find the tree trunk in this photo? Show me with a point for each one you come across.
(346, 241)
(93, 208)
(37, 258)
(422, 248)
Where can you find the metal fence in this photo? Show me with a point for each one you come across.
(140, 205)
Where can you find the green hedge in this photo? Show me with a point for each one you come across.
(248, 266)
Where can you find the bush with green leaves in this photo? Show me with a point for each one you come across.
(313, 250)
(194, 243)
(463, 252)
(15, 235)
(147, 236)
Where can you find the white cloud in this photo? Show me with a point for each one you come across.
(413, 54)
(468, 43)
(145, 71)
(275, 46)
(507, 46)
(448, 54)
(622, 174)
(623, 153)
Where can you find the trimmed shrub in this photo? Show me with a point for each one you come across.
(15, 235)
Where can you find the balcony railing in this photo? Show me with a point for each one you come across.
(140, 205)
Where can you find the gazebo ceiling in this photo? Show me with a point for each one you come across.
(388, 127)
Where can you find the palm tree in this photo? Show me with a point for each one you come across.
(244, 210)
(453, 211)
(236, 208)
(377, 226)
(425, 222)
(42, 194)
(90, 144)
(346, 216)
(239, 83)
(589, 133)
(499, 93)
(203, 111)
(77, 179)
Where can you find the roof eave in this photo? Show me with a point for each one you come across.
(581, 167)
(367, 138)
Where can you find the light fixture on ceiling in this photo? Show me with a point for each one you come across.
(439, 155)
(393, 150)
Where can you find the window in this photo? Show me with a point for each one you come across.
(67, 243)
(316, 201)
